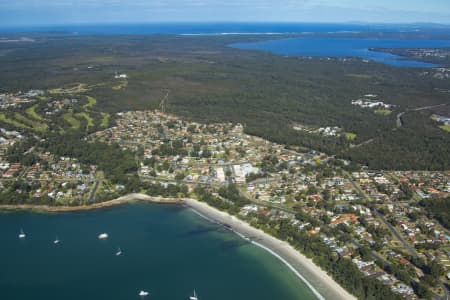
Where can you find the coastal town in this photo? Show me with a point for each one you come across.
(378, 220)
(216, 150)
(379, 212)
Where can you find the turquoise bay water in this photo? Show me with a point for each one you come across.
(346, 47)
(167, 250)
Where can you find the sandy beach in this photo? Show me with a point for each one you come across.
(317, 280)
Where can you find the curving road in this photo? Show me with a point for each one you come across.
(399, 122)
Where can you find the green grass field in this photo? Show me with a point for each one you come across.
(350, 136)
(383, 112)
(91, 102)
(74, 89)
(12, 122)
(445, 127)
(121, 85)
(105, 120)
(36, 126)
(87, 117)
(33, 114)
(71, 120)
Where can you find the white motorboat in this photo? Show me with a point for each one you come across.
(102, 236)
(119, 252)
(22, 234)
(143, 293)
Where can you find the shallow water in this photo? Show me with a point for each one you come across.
(167, 250)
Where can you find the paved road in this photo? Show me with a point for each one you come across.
(429, 107)
(163, 103)
(399, 116)
(363, 143)
(203, 183)
(93, 191)
(399, 122)
(446, 295)
(50, 179)
(393, 230)
(373, 254)
(265, 180)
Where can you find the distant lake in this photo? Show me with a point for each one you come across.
(345, 47)
(167, 250)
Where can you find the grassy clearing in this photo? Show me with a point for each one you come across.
(33, 114)
(36, 126)
(383, 112)
(350, 136)
(105, 120)
(69, 118)
(12, 122)
(87, 117)
(91, 102)
(445, 127)
(121, 85)
(76, 89)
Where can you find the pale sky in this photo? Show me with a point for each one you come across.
(47, 12)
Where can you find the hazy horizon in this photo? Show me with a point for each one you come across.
(219, 27)
(67, 12)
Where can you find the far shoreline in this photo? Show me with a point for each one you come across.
(317, 280)
(110, 203)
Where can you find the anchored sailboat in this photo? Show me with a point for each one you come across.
(119, 251)
(56, 241)
(194, 297)
(22, 234)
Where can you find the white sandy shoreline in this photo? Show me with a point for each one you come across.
(321, 284)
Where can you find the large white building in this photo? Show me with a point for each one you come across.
(220, 174)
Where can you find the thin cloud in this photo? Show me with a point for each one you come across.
(151, 3)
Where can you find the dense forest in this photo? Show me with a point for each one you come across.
(208, 81)
(417, 144)
(115, 162)
(438, 209)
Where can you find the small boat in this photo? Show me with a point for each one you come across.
(22, 234)
(119, 252)
(194, 297)
(56, 241)
(143, 293)
(102, 236)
